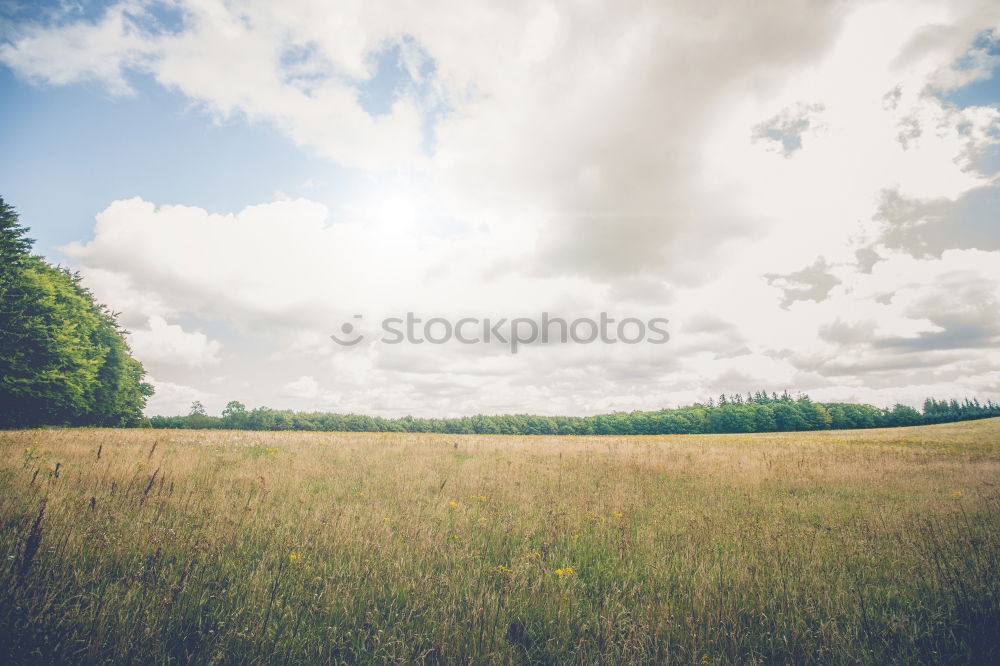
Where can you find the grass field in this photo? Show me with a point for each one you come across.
(140, 546)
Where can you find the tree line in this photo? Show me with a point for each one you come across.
(737, 413)
(63, 357)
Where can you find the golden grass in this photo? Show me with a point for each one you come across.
(175, 546)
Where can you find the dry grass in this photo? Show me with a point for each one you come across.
(138, 546)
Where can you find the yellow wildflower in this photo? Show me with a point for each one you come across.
(294, 557)
(453, 505)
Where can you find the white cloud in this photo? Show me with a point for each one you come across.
(81, 51)
(303, 387)
(170, 344)
(172, 399)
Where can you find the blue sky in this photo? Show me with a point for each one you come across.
(803, 211)
(983, 92)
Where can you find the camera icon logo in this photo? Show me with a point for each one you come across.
(348, 329)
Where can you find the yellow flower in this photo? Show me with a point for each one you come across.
(617, 514)
(294, 557)
(453, 505)
(957, 494)
(387, 520)
(567, 571)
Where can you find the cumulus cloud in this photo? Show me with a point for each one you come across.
(81, 51)
(255, 60)
(785, 183)
(171, 344)
(171, 399)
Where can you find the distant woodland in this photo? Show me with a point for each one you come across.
(758, 412)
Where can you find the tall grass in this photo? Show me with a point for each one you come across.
(244, 547)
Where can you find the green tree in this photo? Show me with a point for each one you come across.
(234, 415)
(198, 418)
(233, 408)
(903, 415)
(731, 418)
(763, 418)
(63, 357)
(15, 247)
(787, 418)
(814, 414)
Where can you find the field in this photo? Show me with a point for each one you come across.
(140, 546)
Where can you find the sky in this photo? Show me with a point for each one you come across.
(806, 191)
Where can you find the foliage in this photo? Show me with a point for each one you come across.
(732, 414)
(63, 357)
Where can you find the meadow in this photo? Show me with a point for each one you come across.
(226, 547)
